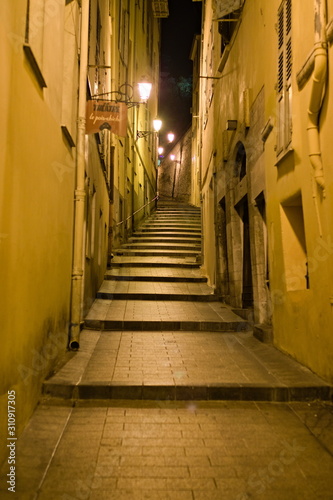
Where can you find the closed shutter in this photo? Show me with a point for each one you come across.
(284, 89)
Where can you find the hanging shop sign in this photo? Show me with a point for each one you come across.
(107, 115)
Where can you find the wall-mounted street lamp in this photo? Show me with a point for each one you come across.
(160, 150)
(157, 124)
(125, 94)
(144, 90)
(173, 158)
(171, 136)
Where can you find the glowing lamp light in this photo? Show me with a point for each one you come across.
(160, 150)
(172, 157)
(157, 124)
(170, 137)
(144, 90)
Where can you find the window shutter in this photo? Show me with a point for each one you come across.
(284, 75)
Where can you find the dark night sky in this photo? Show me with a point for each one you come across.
(178, 30)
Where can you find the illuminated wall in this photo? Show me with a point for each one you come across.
(135, 58)
(40, 67)
(37, 185)
(267, 204)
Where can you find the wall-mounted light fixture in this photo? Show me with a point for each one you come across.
(157, 124)
(144, 90)
(171, 136)
(125, 94)
(173, 158)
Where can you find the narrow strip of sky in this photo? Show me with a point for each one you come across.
(178, 31)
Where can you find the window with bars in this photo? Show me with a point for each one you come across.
(284, 88)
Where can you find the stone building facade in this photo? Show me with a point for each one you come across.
(263, 156)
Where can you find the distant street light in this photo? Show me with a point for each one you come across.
(157, 124)
(171, 137)
(173, 158)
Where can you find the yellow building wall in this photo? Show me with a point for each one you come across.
(36, 197)
(302, 318)
(37, 174)
(98, 156)
(135, 158)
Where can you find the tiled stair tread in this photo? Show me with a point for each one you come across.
(155, 310)
(156, 288)
(188, 363)
(159, 218)
(163, 245)
(142, 261)
(164, 218)
(156, 274)
(173, 233)
(180, 216)
(156, 252)
(134, 293)
(176, 207)
(175, 213)
(157, 242)
(171, 209)
(170, 227)
(164, 239)
(169, 222)
(158, 260)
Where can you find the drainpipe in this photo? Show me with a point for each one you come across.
(79, 201)
(317, 94)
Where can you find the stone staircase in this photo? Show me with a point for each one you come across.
(157, 331)
(161, 266)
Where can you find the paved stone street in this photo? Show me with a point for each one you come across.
(177, 451)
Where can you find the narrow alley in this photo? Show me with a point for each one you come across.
(171, 397)
(166, 250)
